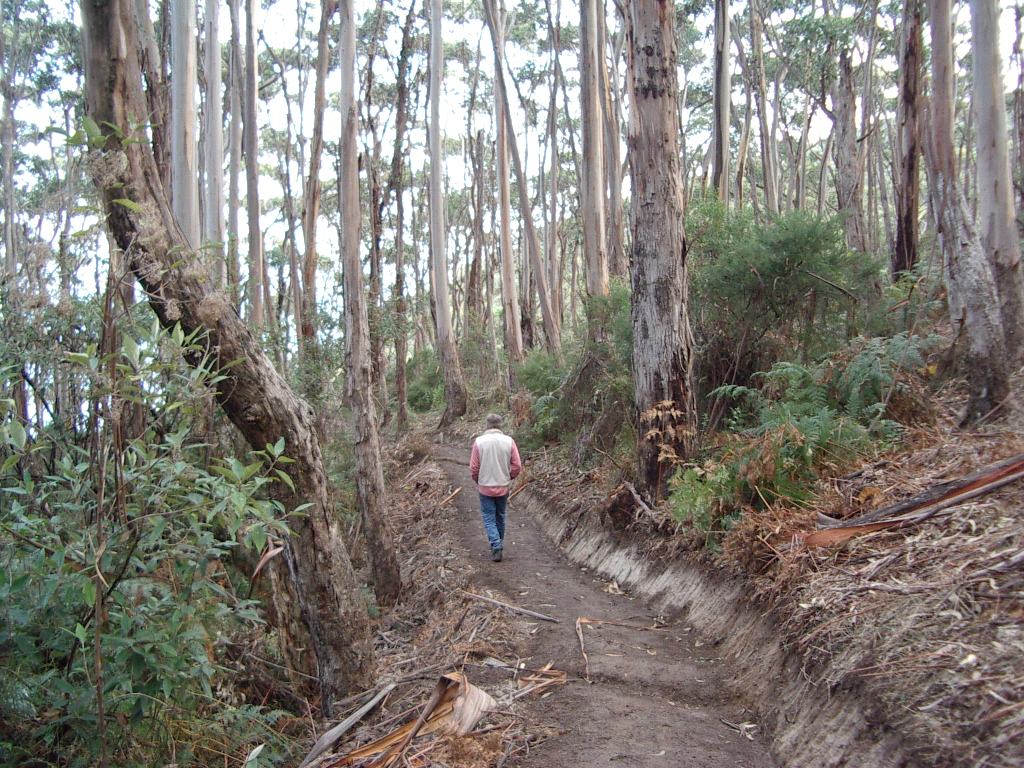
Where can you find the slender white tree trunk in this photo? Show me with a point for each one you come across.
(456, 394)
(592, 197)
(184, 167)
(509, 289)
(213, 210)
(250, 142)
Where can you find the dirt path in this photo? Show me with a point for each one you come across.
(654, 698)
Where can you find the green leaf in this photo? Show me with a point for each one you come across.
(131, 205)
(18, 435)
(131, 350)
(81, 634)
(89, 592)
(10, 462)
(286, 479)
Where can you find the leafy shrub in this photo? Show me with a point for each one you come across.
(426, 385)
(763, 293)
(116, 567)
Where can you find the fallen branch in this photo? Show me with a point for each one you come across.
(328, 740)
(513, 608)
(639, 627)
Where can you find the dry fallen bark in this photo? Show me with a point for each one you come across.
(924, 505)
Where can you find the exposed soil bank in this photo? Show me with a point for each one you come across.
(808, 724)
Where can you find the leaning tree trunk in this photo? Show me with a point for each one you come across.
(662, 340)
(254, 396)
(552, 329)
(213, 208)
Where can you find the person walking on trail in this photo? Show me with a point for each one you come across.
(494, 464)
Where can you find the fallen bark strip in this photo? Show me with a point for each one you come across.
(846, 532)
(513, 608)
(936, 494)
(328, 740)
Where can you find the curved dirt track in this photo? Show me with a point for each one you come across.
(655, 697)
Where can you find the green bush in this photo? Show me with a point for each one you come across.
(116, 571)
(763, 293)
(426, 385)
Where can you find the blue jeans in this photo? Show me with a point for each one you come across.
(492, 510)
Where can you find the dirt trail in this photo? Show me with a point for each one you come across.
(654, 698)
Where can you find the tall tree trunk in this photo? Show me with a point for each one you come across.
(369, 476)
(849, 169)
(250, 142)
(254, 396)
(456, 394)
(662, 340)
(995, 186)
(618, 264)
(592, 183)
(552, 332)
(720, 178)
(306, 314)
(237, 86)
(396, 186)
(908, 188)
(7, 134)
(973, 299)
(509, 291)
(184, 168)
(760, 86)
(213, 210)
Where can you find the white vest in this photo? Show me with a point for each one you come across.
(495, 449)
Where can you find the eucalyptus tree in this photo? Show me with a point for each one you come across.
(257, 284)
(213, 190)
(908, 146)
(552, 329)
(369, 477)
(325, 597)
(592, 182)
(509, 291)
(973, 295)
(662, 339)
(999, 235)
(722, 102)
(456, 394)
(184, 165)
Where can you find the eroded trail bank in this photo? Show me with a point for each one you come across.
(644, 690)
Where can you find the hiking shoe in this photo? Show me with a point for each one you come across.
(496, 555)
